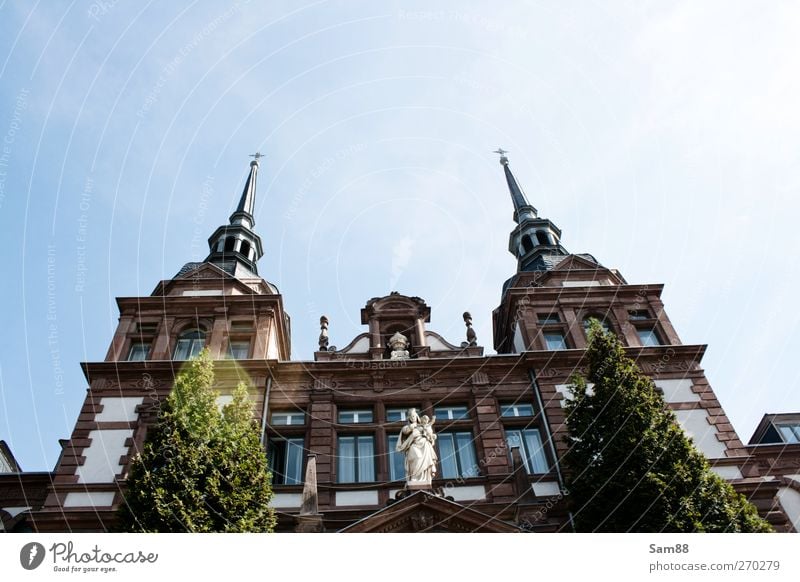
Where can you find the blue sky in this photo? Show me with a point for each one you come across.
(664, 138)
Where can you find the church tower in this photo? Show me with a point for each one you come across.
(544, 313)
(221, 304)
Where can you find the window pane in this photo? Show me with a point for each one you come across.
(189, 344)
(516, 410)
(447, 456)
(603, 323)
(196, 347)
(530, 447)
(534, 451)
(397, 468)
(648, 337)
(790, 433)
(398, 414)
(548, 318)
(466, 455)
(288, 418)
(555, 340)
(139, 352)
(355, 416)
(451, 412)
(294, 462)
(347, 464)
(366, 459)
(239, 350)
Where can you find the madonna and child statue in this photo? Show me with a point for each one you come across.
(416, 441)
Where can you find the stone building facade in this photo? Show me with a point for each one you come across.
(330, 425)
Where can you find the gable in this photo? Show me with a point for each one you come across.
(426, 512)
(198, 279)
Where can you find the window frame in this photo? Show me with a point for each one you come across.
(289, 414)
(133, 345)
(356, 436)
(179, 338)
(355, 412)
(453, 434)
(286, 439)
(528, 459)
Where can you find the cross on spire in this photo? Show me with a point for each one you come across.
(257, 156)
(503, 158)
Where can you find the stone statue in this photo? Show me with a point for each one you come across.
(416, 441)
(399, 344)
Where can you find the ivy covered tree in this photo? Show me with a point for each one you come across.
(630, 467)
(201, 469)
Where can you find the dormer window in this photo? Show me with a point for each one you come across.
(190, 344)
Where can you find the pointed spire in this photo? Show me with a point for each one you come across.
(247, 203)
(235, 247)
(522, 208)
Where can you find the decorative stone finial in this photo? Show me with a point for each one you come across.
(399, 344)
(323, 334)
(472, 338)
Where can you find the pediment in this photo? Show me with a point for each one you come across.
(199, 275)
(575, 262)
(426, 512)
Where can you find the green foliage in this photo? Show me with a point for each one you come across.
(630, 467)
(200, 470)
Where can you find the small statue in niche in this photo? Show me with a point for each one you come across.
(399, 344)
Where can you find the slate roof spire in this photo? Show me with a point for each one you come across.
(535, 241)
(522, 208)
(247, 203)
(235, 247)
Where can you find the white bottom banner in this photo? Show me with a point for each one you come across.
(407, 557)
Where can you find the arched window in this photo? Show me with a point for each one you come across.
(190, 343)
(541, 237)
(245, 249)
(230, 243)
(600, 318)
(527, 245)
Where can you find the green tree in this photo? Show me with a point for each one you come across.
(630, 467)
(201, 469)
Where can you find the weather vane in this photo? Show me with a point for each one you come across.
(257, 155)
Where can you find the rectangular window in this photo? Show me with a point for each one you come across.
(512, 410)
(548, 318)
(554, 340)
(457, 455)
(530, 447)
(139, 352)
(355, 416)
(398, 414)
(648, 337)
(356, 459)
(241, 326)
(397, 461)
(147, 327)
(638, 315)
(239, 349)
(451, 412)
(790, 432)
(285, 458)
(294, 418)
